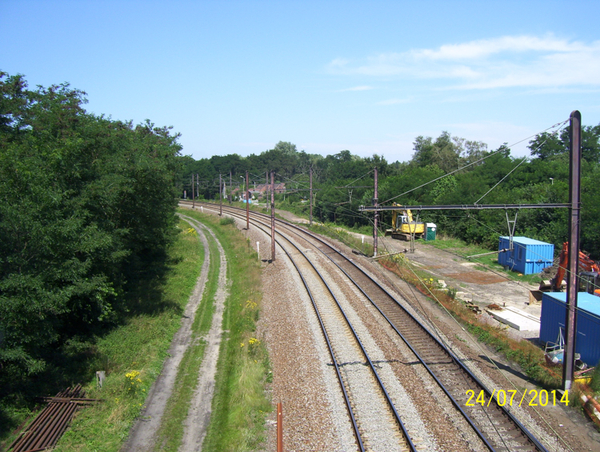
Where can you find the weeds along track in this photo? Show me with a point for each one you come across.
(338, 288)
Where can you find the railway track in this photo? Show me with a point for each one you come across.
(496, 427)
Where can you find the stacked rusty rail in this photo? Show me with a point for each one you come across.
(51, 423)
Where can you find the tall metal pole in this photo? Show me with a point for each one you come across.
(272, 216)
(193, 197)
(220, 196)
(247, 203)
(376, 217)
(230, 189)
(573, 280)
(311, 199)
(267, 184)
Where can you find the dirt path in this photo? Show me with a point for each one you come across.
(143, 435)
(196, 424)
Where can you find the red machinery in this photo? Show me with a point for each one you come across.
(589, 271)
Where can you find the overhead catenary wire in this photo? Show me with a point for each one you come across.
(501, 149)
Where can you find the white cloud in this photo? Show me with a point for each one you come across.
(357, 88)
(393, 101)
(508, 61)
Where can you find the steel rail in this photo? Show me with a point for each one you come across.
(349, 324)
(397, 417)
(515, 421)
(531, 438)
(362, 347)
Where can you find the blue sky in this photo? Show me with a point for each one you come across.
(369, 77)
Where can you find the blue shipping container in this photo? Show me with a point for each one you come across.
(587, 341)
(528, 256)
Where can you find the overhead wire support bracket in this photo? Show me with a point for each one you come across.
(512, 224)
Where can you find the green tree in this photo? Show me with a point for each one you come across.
(86, 209)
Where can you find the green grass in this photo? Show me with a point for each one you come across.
(170, 434)
(141, 345)
(240, 404)
(344, 236)
(133, 354)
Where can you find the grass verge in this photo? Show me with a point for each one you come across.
(132, 356)
(170, 433)
(347, 238)
(240, 405)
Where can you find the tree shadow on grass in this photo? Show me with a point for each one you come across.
(75, 360)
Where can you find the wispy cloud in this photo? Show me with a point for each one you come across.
(393, 101)
(357, 88)
(508, 61)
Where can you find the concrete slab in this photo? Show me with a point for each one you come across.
(515, 318)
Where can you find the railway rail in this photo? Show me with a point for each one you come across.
(496, 426)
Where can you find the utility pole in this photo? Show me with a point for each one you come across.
(193, 197)
(267, 189)
(247, 203)
(272, 216)
(220, 196)
(375, 200)
(311, 198)
(573, 280)
(230, 189)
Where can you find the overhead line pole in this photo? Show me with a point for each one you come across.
(272, 216)
(572, 280)
(376, 217)
(311, 199)
(247, 204)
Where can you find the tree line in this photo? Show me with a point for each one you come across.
(87, 209)
(465, 172)
(87, 206)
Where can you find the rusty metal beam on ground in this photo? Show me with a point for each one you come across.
(51, 423)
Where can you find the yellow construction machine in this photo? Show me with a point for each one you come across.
(404, 226)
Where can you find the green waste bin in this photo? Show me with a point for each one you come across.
(430, 234)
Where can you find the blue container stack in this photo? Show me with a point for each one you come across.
(528, 256)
